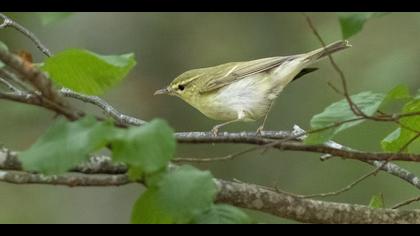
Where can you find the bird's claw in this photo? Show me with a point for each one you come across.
(259, 131)
(215, 130)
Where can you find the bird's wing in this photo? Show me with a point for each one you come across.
(240, 70)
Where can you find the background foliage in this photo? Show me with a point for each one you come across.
(165, 47)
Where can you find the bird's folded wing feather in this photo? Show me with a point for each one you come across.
(240, 70)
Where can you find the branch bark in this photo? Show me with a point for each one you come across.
(246, 196)
(291, 145)
(308, 210)
(239, 194)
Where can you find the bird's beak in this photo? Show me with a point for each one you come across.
(162, 91)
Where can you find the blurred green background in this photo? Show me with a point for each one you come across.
(384, 55)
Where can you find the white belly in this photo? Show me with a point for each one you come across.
(249, 97)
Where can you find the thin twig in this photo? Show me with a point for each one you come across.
(406, 202)
(34, 99)
(108, 109)
(9, 85)
(334, 88)
(365, 176)
(345, 189)
(356, 110)
(390, 168)
(215, 159)
(8, 22)
(198, 137)
(12, 77)
(31, 75)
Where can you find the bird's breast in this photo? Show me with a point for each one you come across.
(251, 96)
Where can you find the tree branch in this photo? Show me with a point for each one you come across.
(8, 22)
(107, 108)
(406, 202)
(306, 210)
(96, 165)
(104, 165)
(239, 194)
(243, 138)
(390, 168)
(34, 99)
(70, 180)
(30, 74)
(9, 85)
(246, 196)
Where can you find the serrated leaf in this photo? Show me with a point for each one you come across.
(52, 17)
(65, 145)
(368, 102)
(180, 196)
(86, 72)
(400, 137)
(146, 149)
(352, 22)
(377, 201)
(223, 214)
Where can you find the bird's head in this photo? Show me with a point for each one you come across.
(183, 86)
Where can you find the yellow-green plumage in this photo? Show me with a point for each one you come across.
(242, 91)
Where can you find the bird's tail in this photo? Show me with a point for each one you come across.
(317, 54)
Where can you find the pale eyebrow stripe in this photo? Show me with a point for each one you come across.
(191, 79)
(231, 70)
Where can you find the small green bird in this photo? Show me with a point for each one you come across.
(243, 91)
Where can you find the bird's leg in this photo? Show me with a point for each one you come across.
(215, 129)
(260, 129)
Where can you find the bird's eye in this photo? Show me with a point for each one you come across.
(181, 87)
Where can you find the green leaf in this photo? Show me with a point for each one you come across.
(352, 22)
(52, 17)
(146, 149)
(147, 210)
(87, 72)
(368, 102)
(400, 92)
(394, 141)
(65, 145)
(223, 214)
(180, 196)
(399, 138)
(377, 201)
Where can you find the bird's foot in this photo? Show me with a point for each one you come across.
(259, 130)
(215, 130)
